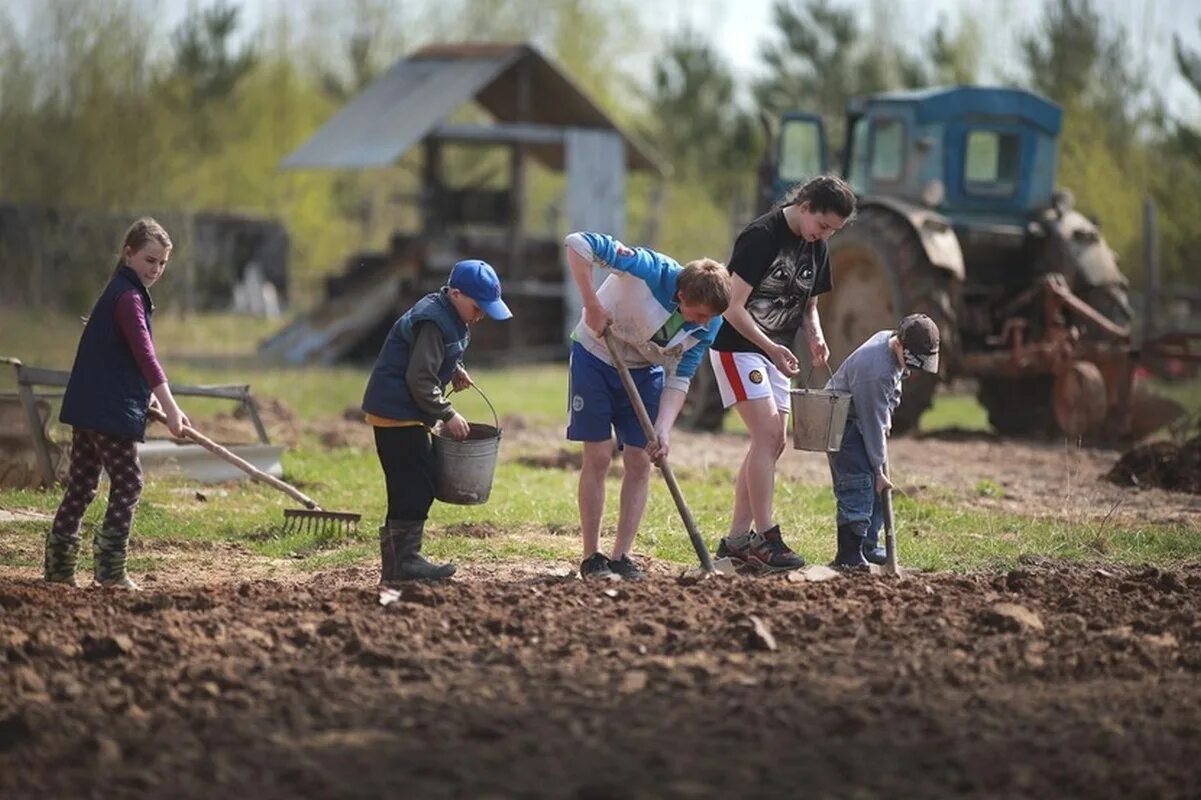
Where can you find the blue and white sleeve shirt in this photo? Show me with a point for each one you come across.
(640, 293)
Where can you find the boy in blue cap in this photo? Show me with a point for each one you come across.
(405, 397)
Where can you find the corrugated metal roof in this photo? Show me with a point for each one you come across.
(418, 93)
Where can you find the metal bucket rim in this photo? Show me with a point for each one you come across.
(476, 432)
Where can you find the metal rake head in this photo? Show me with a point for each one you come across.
(303, 520)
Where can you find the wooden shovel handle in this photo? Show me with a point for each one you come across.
(241, 463)
(890, 534)
(648, 429)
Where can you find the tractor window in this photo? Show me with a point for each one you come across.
(888, 149)
(857, 171)
(992, 162)
(800, 150)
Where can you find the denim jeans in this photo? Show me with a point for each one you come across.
(854, 481)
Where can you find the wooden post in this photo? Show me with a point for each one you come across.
(36, 432)
(431, 178)
(517, 195)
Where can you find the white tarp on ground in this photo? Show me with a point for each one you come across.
(198, 464)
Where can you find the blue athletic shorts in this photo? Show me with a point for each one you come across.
(597, 403)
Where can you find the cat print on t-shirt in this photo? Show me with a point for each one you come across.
(779, 300)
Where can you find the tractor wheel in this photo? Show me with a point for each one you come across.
(881, 273)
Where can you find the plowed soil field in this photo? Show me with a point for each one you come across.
(1052, 680)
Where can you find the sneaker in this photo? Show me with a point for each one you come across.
(626, 568)
(595, 566)
(736, 547)
(768, 551)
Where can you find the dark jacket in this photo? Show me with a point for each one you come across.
(106, 391)
(388, 393)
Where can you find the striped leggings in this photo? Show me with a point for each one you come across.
(91, 452)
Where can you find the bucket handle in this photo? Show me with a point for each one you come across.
(495, 419)
(826, 364)
(805, 388)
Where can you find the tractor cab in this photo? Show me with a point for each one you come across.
(960, 218)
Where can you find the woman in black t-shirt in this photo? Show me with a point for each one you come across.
(779, 266)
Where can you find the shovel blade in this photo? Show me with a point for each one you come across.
(724, 566)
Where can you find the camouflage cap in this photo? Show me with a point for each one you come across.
(919, 342)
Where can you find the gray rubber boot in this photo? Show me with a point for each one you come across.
(61, 557)
(110, 548)
(387, 557)
(402, 541)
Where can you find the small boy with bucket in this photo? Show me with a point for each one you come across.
(872, 375)
(404, 397)
(662, 318)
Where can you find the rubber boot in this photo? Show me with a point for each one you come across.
(387, 557)
(61, 557)
(109, 549)
(403, 561)
(850, 546)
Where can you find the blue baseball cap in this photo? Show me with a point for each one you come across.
(478, 280)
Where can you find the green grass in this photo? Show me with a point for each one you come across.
(954, 412)
(532, 513)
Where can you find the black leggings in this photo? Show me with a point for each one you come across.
(407, 456)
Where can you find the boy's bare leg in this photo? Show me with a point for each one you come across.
(766, 425)
(592, 492)
(740, 523)
(634, 487)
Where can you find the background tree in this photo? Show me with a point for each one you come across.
(1175, 182)
(955, 54)
(822, 56)
(1073, 58)
(1189, 63)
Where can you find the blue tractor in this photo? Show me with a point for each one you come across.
(960, 219)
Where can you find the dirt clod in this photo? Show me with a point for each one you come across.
(1012, 617)
(1165, 465)
(760, 637)
(105, 647)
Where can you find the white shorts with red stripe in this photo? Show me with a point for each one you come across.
(749, 376)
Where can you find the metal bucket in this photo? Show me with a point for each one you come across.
(463, 471)
(818, 418)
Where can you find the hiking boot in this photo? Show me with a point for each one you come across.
(61, 557)
(110, 549)
(850, 546)
(736, 547)
(400, 554)
(768, 551)
(596, 565)
(626, 568)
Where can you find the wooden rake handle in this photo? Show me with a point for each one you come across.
(250, 469)
(648, 429)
